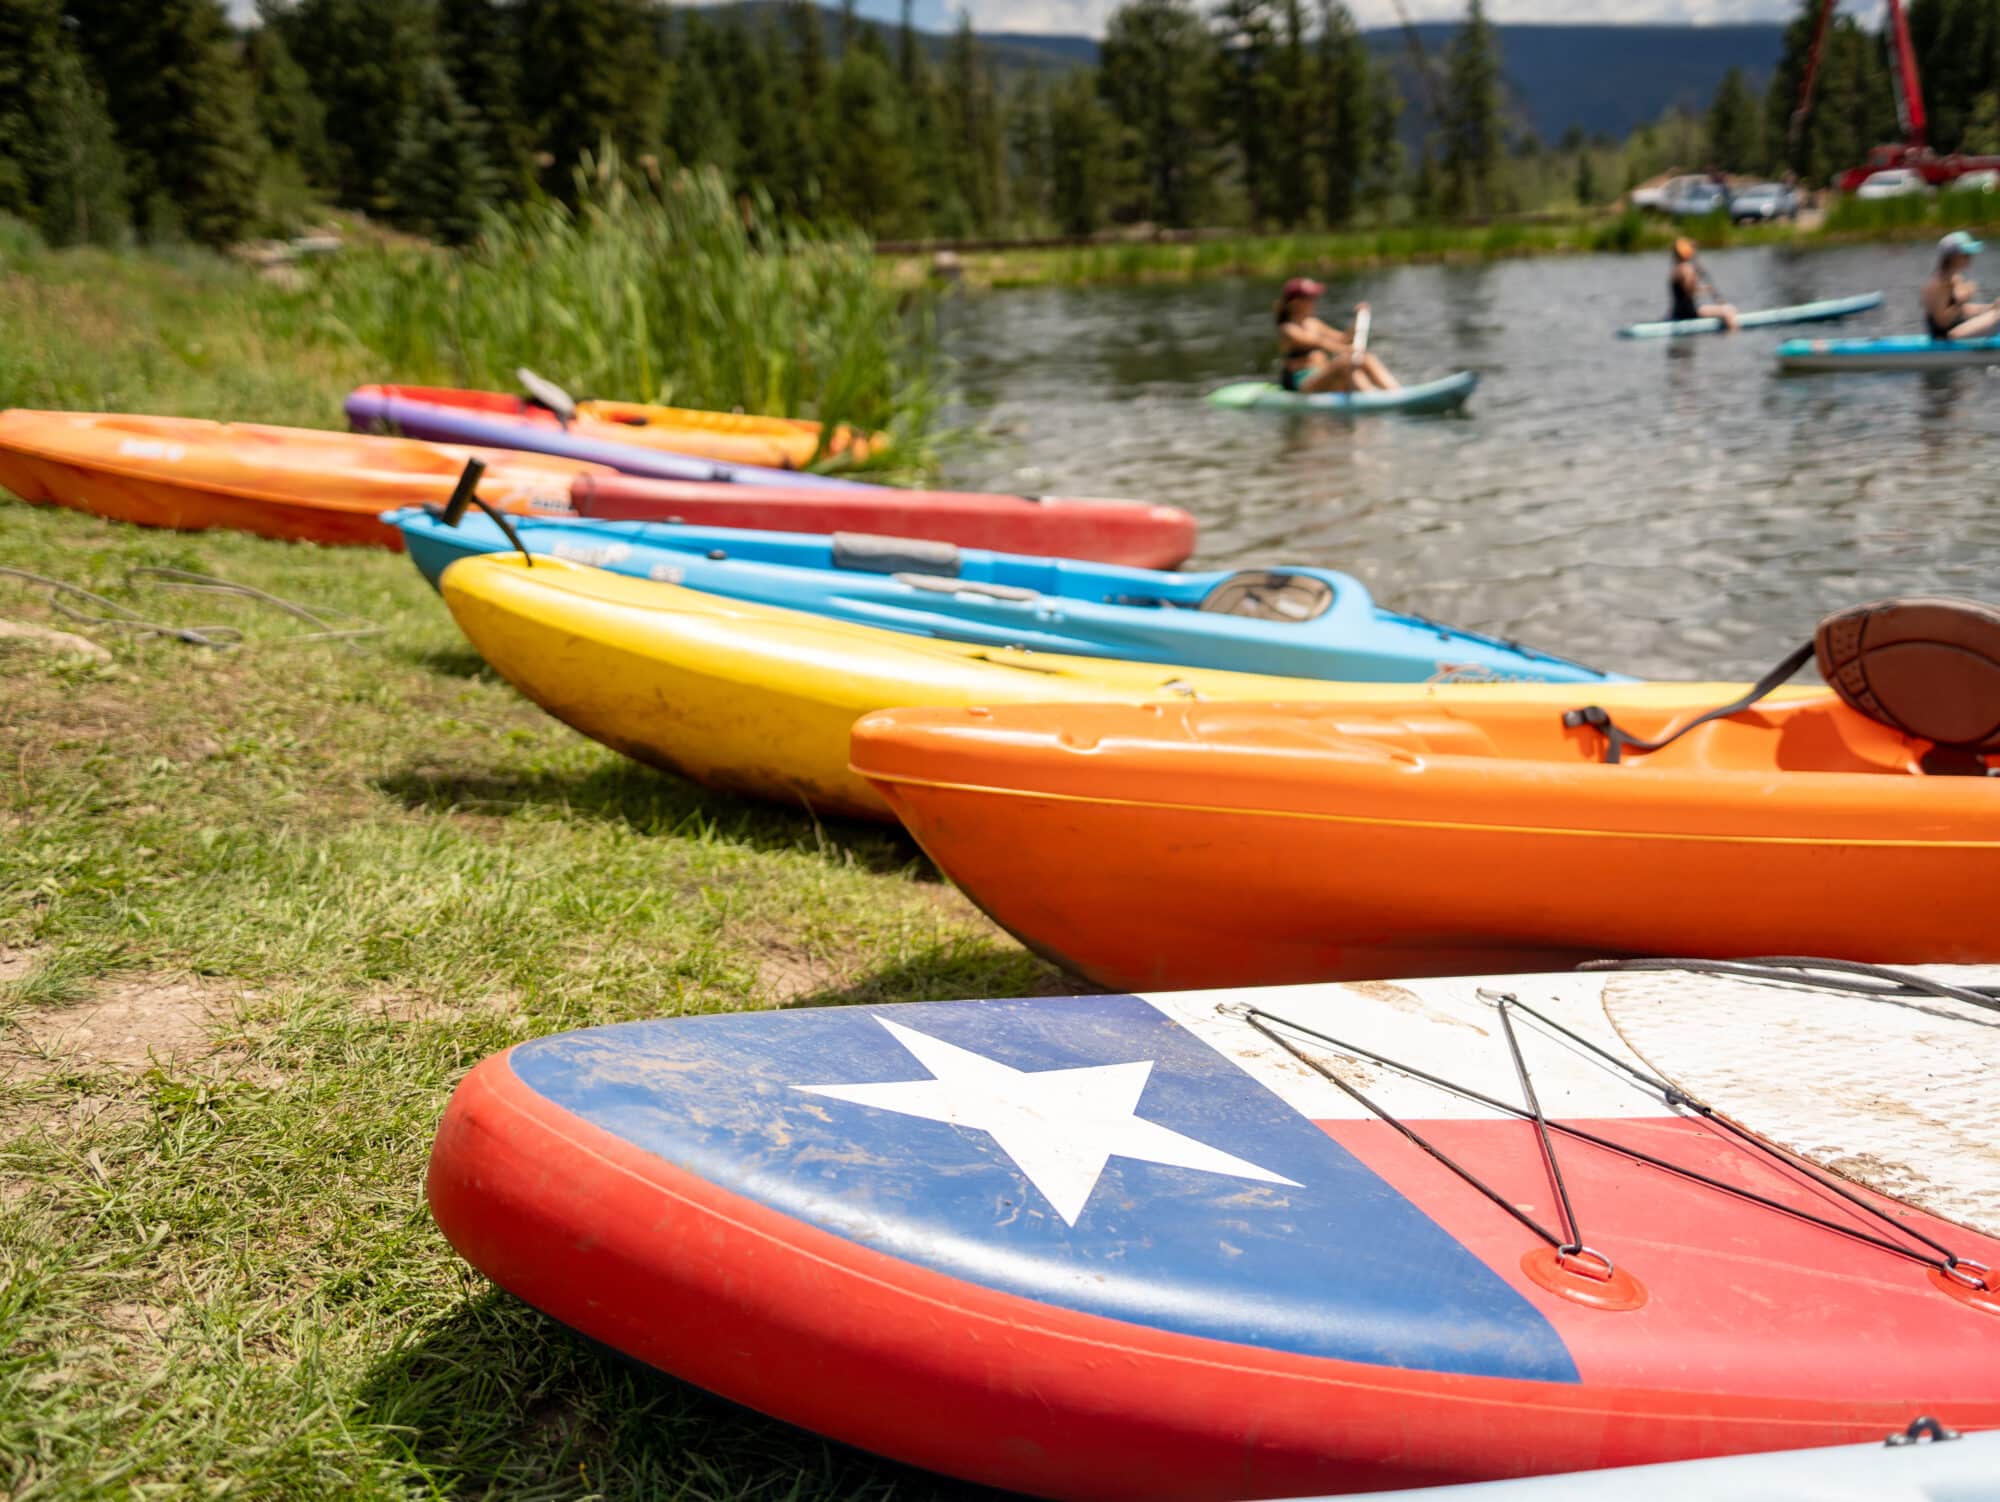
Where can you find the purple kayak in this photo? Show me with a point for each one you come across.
(379, 409)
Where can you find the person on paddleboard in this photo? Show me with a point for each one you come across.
(1949, 311)
(1316, 356)
(1685, 285)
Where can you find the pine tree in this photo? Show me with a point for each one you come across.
(868, 172)
(366, 61)
(1156, 66)
(290, 118)
(1471, 127)
(698, 131)
(180, 102)
(441, 182)
(1247, 99)
(1341, 96)
(1028, 153)
(591, 75)
(1080, 150)
(476, 41)
(1293, 162)
(1735, 131)
(60, 167)
(1852, 109)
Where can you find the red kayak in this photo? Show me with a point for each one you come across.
(1103, 531)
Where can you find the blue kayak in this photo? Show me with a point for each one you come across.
(1295, 622)
(377, 412)
(1805, 312)
(1445, 394)
(1897, 352)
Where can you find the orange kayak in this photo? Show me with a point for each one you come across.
(737, 437)
(1194, 845)
(296, 483)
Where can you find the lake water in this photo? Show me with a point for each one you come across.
(1667, 507)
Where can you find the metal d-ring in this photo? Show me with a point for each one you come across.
(1579, 1251)
(1979, 1280)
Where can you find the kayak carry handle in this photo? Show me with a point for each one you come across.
(466, 493)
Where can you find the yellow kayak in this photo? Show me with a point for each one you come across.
(757, 699)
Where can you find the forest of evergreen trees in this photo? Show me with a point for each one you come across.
(157, 119)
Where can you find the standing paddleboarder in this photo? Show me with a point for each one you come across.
(1685, 285)
(1316, 356)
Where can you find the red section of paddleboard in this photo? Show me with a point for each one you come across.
(1739, 1297)
(1125, 532)
(943, 1373)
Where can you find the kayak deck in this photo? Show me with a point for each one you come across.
(1806, 312)
(1442, 395)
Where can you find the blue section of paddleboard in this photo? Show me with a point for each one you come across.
(1342, 1265)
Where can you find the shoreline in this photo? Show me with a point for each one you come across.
(1149, 262)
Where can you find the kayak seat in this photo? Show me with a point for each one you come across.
(865, 553)
(1925, 665)
(949, 586)
(1264, 594)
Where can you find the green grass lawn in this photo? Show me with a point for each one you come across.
(259, 910)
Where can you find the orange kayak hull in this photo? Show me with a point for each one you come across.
(1163, 847)
(298, 484)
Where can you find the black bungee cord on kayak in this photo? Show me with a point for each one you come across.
(1926, 667)
(466, 493)
(1966, 1272)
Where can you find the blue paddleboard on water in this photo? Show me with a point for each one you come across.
(1293, 622)
(1896, 352)
(1805, 312)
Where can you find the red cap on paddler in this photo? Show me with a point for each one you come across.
(1302, 286)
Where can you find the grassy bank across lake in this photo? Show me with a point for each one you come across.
(1274, 256)
(1328, 251)
(259, 910)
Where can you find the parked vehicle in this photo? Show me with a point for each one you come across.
(1762, 203)
(1896, 182)
(1985, 180)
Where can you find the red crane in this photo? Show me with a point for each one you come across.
(1913, 151)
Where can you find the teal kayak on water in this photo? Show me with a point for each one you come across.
(1442, 395)
(1805, 312)
(1897, 352)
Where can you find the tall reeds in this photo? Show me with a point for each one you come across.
(671, 290)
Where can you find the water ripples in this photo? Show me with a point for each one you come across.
(1670, 508)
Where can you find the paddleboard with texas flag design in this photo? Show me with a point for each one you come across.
(1262, 1243)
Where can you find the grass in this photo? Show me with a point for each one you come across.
(293, 892)
(677, 292)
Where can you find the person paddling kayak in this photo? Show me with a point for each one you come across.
(1685, 285)
(1316, 356)
(1949, 312)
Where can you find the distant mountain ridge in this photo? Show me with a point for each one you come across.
(1605, 80)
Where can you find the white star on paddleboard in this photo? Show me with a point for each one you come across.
(1060, 1126)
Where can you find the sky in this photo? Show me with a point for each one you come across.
(1086, 17)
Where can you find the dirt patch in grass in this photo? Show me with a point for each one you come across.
(785, 973)
(131, 1024)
